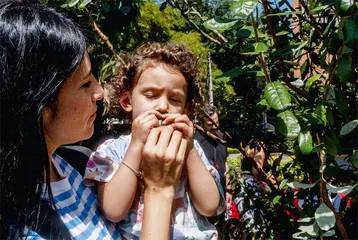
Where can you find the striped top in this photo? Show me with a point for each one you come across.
(77, 205)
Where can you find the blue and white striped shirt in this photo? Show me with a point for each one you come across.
(77, 205)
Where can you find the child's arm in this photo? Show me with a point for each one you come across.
(203, 189)
(116, 196)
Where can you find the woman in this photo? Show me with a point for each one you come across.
(48, 98)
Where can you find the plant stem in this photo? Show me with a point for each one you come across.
(262, 62)
(324, 196)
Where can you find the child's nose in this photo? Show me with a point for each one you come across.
(162, 106)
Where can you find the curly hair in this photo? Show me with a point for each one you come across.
(151, 54)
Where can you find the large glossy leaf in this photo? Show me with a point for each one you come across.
(323, 7)
(277, 96)
(254, 49)
(330, 146)
(287, 124)
(330, 233)
(238, 71)
(297, 185)
(321, 112)
(242, 8)
(84, 3)
(344, 189)
(345, 5)
(341, 104)
(349, 127)
(311, 80)
(354, 158)
(288, 49)
(305, 142)
(220, 24)
(350, 32)
(284, 13)
(325, 217)
(311, 229)
(344, 69)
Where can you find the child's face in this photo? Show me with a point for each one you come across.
(159, 88)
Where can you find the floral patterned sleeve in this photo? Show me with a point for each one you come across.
(222, 205)
(105, 161)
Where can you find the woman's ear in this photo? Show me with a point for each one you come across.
(125, 101)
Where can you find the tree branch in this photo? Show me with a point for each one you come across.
(186, 17)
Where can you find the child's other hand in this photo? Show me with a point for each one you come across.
(142, 125)
(181, 123)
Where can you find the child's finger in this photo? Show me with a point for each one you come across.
(183, 118)
(149, 122)
(170, 118)
(184, 128)
(149, 112)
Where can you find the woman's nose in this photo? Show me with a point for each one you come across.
(98, 93)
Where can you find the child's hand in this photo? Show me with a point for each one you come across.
(142, 125)
(181, 123)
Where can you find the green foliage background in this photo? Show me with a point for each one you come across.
(293, 68)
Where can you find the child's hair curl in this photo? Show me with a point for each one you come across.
(151, 54)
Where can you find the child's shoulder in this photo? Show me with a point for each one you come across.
(120, 142)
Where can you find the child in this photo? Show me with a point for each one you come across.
(158, 86)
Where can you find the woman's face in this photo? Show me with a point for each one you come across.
(71, 117)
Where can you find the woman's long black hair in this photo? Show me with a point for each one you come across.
(39, 49)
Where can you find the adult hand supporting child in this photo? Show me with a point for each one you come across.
(206, 200)
(163, 158)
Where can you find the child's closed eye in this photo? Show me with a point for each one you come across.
(176, 100)
(150, 95)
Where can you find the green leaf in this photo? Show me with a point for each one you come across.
(330, 233)
(312, 229)
(325, 217)
(84, 3)
(262, 105)
(341, 104)
(277, 96)
(345, 5)
(349, 127)
(245, 32)
(220, 24)
(350, 32)
(288, 49)
(284, 13)
(321, 112)
(287, 124)
(238, 71)
(344, 69)
(276, 199)
(354, 158)
(330, 146)
(297, 185)
(311, 80)
(255, 49)
(72, 3)
(282, 33)
(242, 8)
(305, 142)
(305, 220)
(344, 189)
(323, 7)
